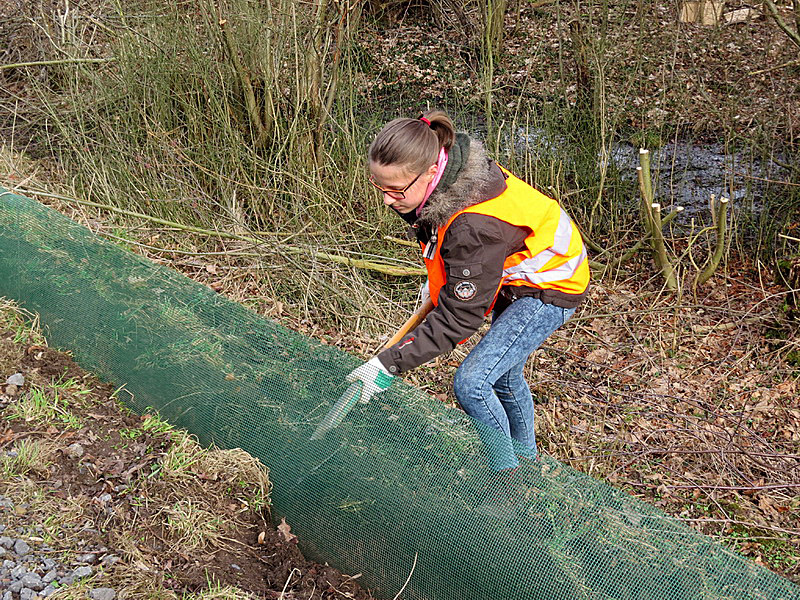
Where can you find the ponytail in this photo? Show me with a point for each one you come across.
(413, 143)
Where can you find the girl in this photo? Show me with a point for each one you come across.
(491, 243)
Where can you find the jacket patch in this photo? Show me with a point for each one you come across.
(465, 290)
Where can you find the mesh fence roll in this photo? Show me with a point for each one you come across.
(400, 487)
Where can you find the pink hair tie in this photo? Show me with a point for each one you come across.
(425, 120)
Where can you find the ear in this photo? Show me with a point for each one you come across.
(433, 170)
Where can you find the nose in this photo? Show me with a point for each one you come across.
(388, 200)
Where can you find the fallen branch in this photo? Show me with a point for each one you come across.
(791, 63)
(63, 61)
(357, 263)
(734, 488)
(736, 522)
(400, 241)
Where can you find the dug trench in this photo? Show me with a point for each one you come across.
(150, 512)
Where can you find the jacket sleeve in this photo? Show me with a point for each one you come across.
(473, 250)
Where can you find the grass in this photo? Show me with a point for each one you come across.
(45, 406)
(191, 527)
(217, 591)
(23, 324)
(26, 457)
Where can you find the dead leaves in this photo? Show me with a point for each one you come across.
(286, 531)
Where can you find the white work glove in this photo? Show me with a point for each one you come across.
(374, 377)
(425, 292)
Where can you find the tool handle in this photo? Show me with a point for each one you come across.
(415, 319)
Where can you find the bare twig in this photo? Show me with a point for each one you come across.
(288, 579)
(414, 566)
(63, 61)
(737, 488)
(736, 522)
(791, 63)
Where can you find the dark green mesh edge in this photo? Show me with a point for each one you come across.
(402, 479)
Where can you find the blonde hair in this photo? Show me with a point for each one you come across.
(413, 143)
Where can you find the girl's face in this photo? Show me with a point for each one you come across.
(402, 190)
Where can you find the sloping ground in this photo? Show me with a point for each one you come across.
(111, 503)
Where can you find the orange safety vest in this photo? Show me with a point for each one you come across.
(554, 256)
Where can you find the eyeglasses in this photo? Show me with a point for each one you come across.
(396, 194)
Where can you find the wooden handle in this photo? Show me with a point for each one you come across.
(417, 318)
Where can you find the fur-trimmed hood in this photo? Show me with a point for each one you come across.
(470, 177)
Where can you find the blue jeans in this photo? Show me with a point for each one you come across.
(490, 385)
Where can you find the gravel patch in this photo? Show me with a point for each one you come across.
(28, 570)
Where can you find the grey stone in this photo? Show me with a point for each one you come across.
(50, 576)
(6, 503)
(15, 587)
(12, 453)
(48, 563)
(81, 572)
(75, 450)
(32, 581)
(3, 552)
(16, 379)
(21, 547)
(109, 560)
(6, 542)
(8, 595)
(48, 591)
(102, 594)
(9, 564)
(235, 567)
(89, 558)
(27, 594)
(18, 571)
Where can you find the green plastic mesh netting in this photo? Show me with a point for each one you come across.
(401, 483)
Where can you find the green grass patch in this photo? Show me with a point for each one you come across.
(43, 406)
